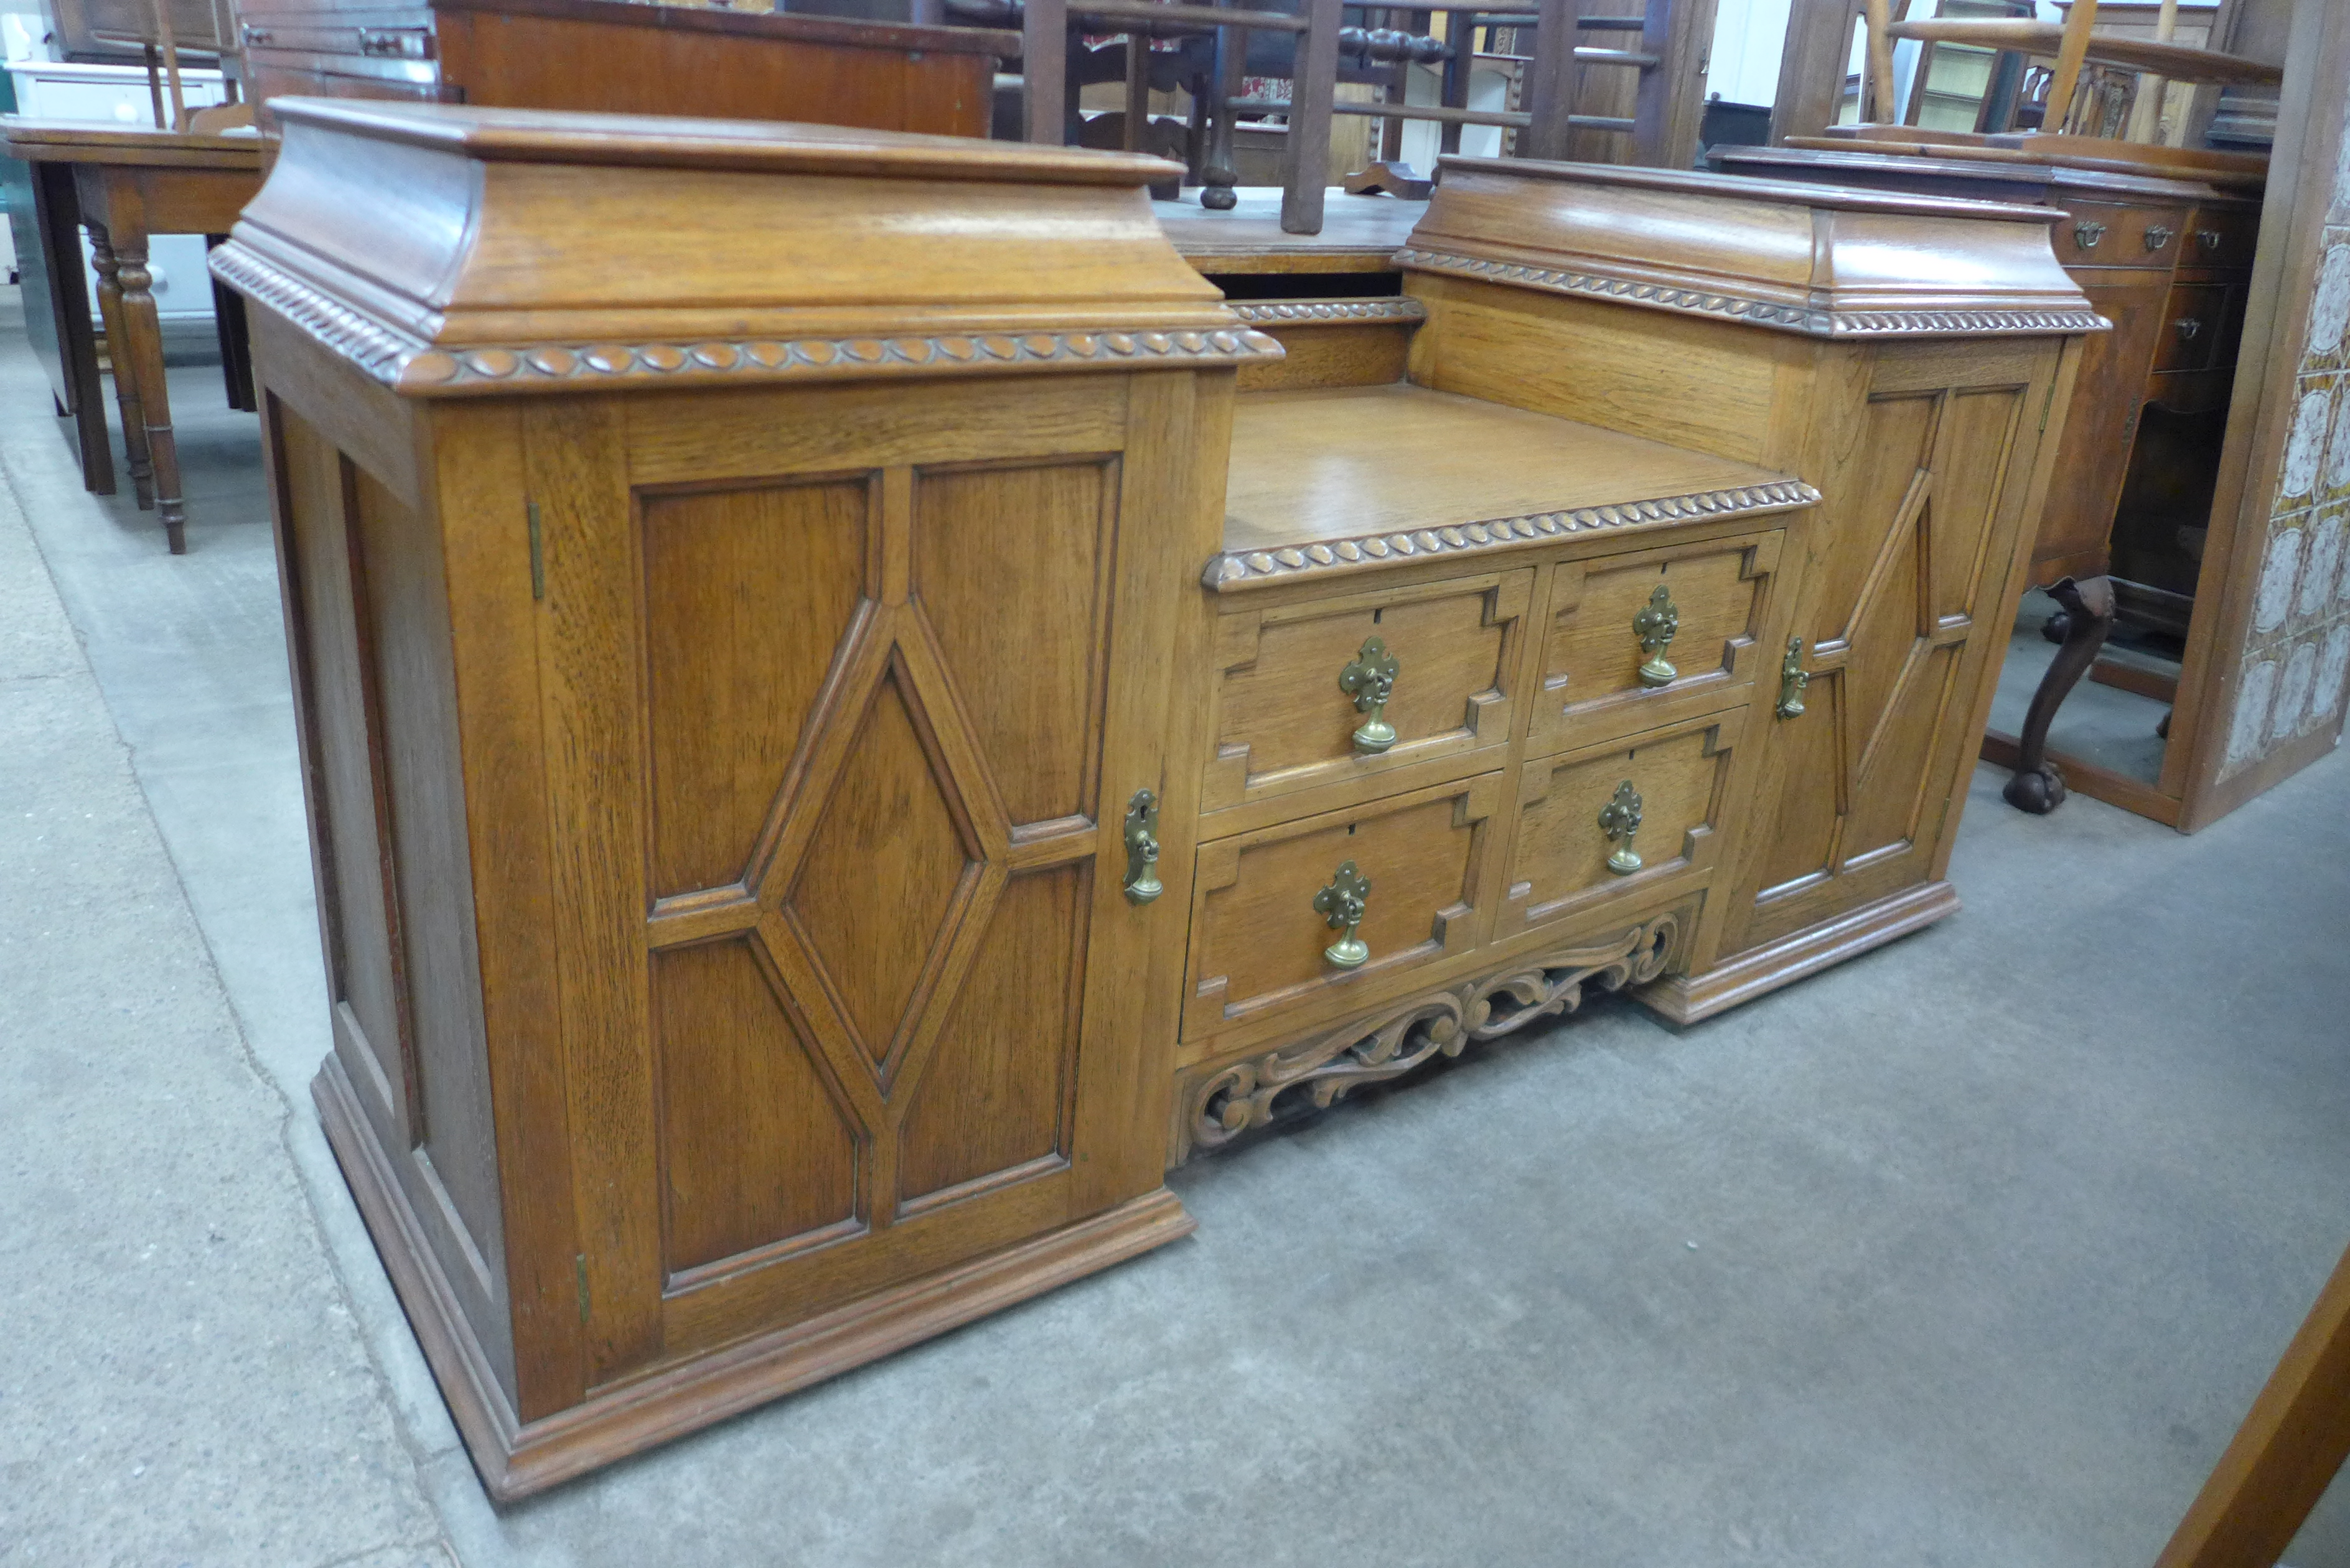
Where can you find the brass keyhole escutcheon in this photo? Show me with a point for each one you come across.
(2086, 235)
(1793, 678)
(1656, 627)
(1620, 820)
(1370, 682)
(1142, 883)
(1341, 906)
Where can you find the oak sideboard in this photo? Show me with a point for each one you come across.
(839, 746)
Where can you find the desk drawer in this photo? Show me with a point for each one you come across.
(1598, 680)
(2194, 328)
(2097, 234)
(1288, 713)
(1260, 942)
(2221, 237)
(1571, 850)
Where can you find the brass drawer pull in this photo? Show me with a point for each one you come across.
(1341, 906)
(2087, 233)
(1620, 820)
(2209, 239)
(1142, 883)
(2157, 237)
(1370, 682)
(1656, 627)
(2188, 328)
(1793, 678)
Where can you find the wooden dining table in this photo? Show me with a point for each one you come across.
(127, 184)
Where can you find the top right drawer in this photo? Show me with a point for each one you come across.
(1645, 637)
(2221, 237)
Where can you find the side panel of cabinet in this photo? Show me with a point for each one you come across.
(847, 745)
(2078, 519)
(369, 637)
(1927, 477)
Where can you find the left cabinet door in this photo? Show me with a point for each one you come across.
(839, 757)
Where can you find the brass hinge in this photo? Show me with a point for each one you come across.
(579, 1262)
(537, 563)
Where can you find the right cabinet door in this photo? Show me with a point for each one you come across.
(1925, 483)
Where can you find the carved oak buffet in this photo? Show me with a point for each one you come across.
(814, 771)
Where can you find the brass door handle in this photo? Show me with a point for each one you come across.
(1142, 883)
(1370, 682)
(1656, 627)
(1341, 906)
(1620, 820)
(1793, 678)
(2157, 237)
(2087, 233)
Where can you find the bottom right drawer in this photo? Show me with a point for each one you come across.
(1613, 821)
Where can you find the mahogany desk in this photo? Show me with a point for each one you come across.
(127, 184)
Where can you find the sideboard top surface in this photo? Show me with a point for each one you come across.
(447, 249)
(1355, 477)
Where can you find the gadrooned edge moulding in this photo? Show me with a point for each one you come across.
(1806, 320)
(1256, 568)
(417, 368)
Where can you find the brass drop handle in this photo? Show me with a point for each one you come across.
(1370, 682)
(2188, 328)
(1620, 820)
(1341, 906)
(1793, 678)
(2208, 239)
(2157, 237)
(1142, 883)
(2087, 233)
(1656, 627)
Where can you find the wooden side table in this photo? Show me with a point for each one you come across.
(129, 184)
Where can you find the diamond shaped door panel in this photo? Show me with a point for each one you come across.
(747, 595)
(996, 595)
(876, 888)
(1930, 483)
(759, 1150)
(878, 706)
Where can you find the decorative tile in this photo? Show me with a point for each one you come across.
(2329, 312)
(2333, 676)
(2307, 442)
(2292, 692)
(2319, 571)
(2277, 576)
(2250, 728)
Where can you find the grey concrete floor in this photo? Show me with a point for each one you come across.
(1972, 1252)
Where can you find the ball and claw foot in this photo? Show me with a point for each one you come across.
(2038, 792)
(1218, 198)
(2057, 624)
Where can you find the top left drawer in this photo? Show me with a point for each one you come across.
(1299, 687)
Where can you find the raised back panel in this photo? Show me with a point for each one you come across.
(1020, 612)
(747, 594)
(759, 1149)
(337, 675)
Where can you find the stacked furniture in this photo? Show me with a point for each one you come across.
(838, 746)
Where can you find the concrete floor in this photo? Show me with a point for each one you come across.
(1971, 1252)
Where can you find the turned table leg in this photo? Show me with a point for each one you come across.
(2088, 605)
(103, 262)
(143, 328)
